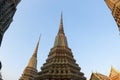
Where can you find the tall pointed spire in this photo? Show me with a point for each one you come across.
(30, 71)
(61, 39)
(33, 61)
(61, 30)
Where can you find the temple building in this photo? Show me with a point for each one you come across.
(60, 64)
(114, 6)
(7, 11)
(114, 75)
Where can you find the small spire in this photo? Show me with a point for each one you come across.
(31, 69)
(36, 49)
(61, 30)
(33, 60)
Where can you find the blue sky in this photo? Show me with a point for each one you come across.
(91, 32)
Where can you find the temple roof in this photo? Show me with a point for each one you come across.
(100, 76)
(114, 73)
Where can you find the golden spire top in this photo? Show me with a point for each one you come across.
(36, 49)
(31, 69)
(33, 60)
(61, 39)
(61, 30)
